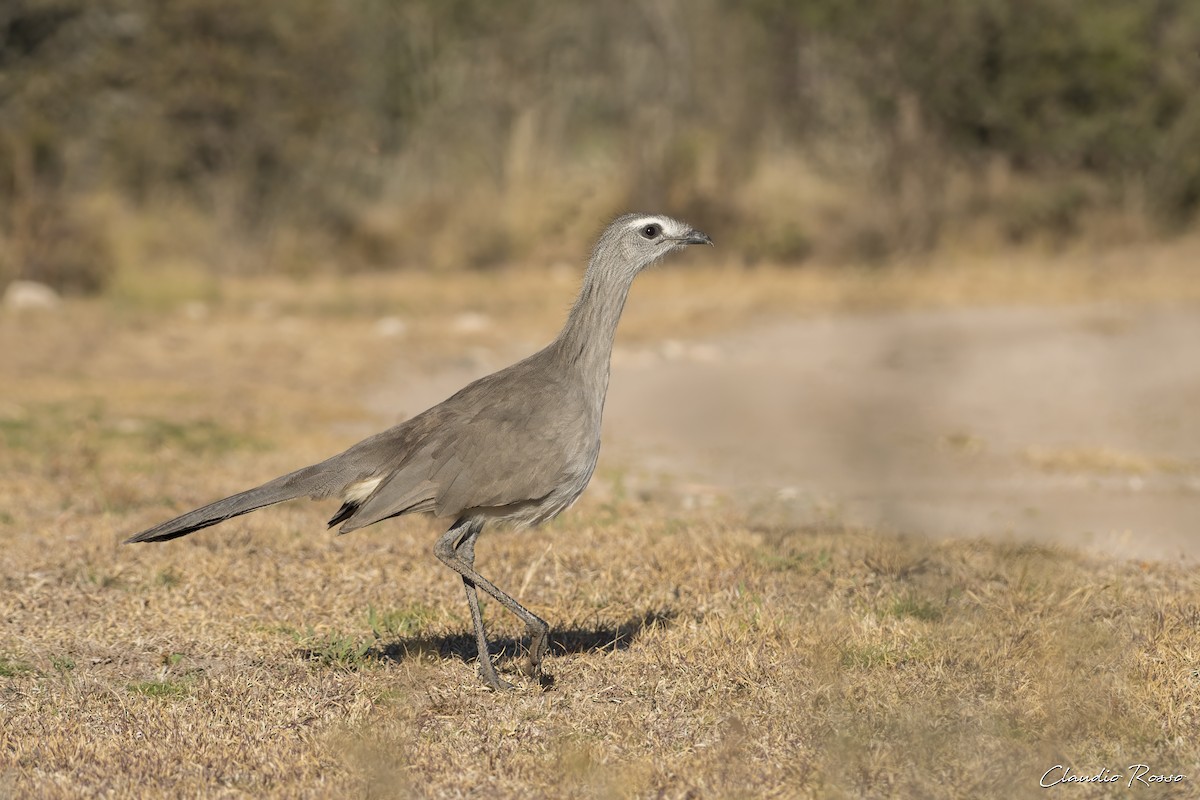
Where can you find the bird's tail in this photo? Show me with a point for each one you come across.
(312, 480)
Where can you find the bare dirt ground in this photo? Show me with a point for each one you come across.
(1065, 426)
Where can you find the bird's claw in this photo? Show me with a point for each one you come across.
(539, 645)
(492, 680)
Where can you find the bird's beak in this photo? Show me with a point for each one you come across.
(696, 237)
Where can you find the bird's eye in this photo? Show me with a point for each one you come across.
(651, 231)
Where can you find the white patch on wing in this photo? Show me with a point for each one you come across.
(358, 492)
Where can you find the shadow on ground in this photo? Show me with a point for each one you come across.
(462, 645)
(571, 640)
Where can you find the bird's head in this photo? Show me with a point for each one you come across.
(635, 241)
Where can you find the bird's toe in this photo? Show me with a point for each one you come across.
(494, 681)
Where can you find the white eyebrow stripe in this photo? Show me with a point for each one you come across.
(640, 221)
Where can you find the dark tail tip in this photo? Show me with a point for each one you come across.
(148, 536)
(172, 530)
(344, 513)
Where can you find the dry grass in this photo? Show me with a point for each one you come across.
(1102, 460)
(691, 655)
(695, 655)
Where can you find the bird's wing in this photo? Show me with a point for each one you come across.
(502, 441)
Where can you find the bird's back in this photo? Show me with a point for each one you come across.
(518, 445)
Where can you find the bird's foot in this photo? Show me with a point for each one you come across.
(487, 672)
(539, 646)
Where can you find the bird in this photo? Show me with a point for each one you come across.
(518, 446)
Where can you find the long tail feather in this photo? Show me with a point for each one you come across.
(307, 481)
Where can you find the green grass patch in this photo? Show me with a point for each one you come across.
(102, 579)
(162, 689)
(164, 289)
(196, 437)
(11, 668)
(15, 432)
(915, 608)
(338, 650)
(167, 578)
(399, 622)
(54, 427)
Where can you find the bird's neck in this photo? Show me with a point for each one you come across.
(586, 341)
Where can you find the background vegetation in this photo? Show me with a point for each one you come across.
(201, 135)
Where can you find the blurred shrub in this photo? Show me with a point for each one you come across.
(1049, 209)
(1175, 176)
(466, 132)
(785, 242)
(1096, 88)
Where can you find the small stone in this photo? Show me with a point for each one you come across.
(30, 296)
(195, 310)
(129, 426)
(704, 354)
(636, 358)
(471, 322)
(673, 350)
(563, 274)
(390, 327)
(11, 412)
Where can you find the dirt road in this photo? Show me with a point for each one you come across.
(1072, 426)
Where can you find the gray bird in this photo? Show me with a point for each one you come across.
(517, 446)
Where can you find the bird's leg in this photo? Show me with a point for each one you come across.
(465, 550)
(446, 549)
